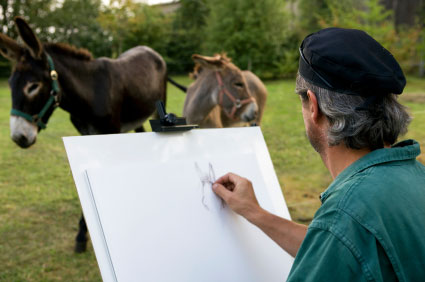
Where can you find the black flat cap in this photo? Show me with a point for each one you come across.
(349, 61)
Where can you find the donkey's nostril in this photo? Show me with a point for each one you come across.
(22, 141)
(19, 138)
(248, 117)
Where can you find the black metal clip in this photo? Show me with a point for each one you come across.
(169, 122)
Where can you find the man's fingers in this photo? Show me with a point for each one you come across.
(223, 179)
(221, 191)
(229, 178)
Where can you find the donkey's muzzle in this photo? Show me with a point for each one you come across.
(22, 132)
(22, 141)
(250, 113)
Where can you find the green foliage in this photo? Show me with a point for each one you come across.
(262, 36)
(75, 23)
(4, 67)
(372, 17)
(187, 34)
(114, 20)
(130, 24)
(253, 33)
(310, 11)
(37, 11)
(421, 43)
(368, 15)
(149, 27)
(69, 21)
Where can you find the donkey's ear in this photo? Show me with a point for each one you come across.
(208, 62)
(9, 48)
(29, 38)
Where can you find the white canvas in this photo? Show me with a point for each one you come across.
(152, 215)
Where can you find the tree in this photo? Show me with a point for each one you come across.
(187, 35)
(372, 17)
(257, 35)
(403, 10)
(130, 24)
(148, 27)
(114, 20)
(309, 14)
(69, 21)
(75, 23)
(35, 11)
(421, 45)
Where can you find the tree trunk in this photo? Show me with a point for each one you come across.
(404, 10)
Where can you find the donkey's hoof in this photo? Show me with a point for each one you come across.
(80, 247)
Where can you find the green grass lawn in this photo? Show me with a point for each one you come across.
(39, 206)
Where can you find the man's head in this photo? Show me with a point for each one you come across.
(353, 80)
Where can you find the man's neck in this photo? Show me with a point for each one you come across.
(337, 158)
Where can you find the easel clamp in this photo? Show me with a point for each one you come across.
(169, 122)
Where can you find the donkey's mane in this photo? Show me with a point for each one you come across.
(65, 49)
(197, 69)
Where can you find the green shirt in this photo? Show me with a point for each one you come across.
(371, 225)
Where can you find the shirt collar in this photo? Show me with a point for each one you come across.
(408, 149)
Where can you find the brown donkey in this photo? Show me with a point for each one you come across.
(222, 95)
(101, 95)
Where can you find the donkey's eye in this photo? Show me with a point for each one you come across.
(32, 88)
(239, 84)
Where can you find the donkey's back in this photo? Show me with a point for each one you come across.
(138, 64)
(139, 75)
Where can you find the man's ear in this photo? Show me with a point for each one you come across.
(313, 106)
(28, 36)
(9, 48)
(208, 62)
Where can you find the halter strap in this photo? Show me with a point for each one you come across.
(53, 99)
(237, 103)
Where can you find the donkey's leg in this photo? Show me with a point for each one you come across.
(140, 129)
(81, 239)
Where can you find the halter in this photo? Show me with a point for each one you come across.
(53, 99)
(237, 103)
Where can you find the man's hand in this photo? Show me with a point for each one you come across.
(238, 194)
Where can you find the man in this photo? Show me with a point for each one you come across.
(371, 225)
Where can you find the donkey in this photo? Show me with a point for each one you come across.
(102, 95)
(222, 95)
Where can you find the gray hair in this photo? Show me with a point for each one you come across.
(368, 127)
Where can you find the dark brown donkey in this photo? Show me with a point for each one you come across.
(101, 95)
(222, 95)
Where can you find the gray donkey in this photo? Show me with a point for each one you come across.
(222, 95)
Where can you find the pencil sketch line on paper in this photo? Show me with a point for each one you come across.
(207, 180)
